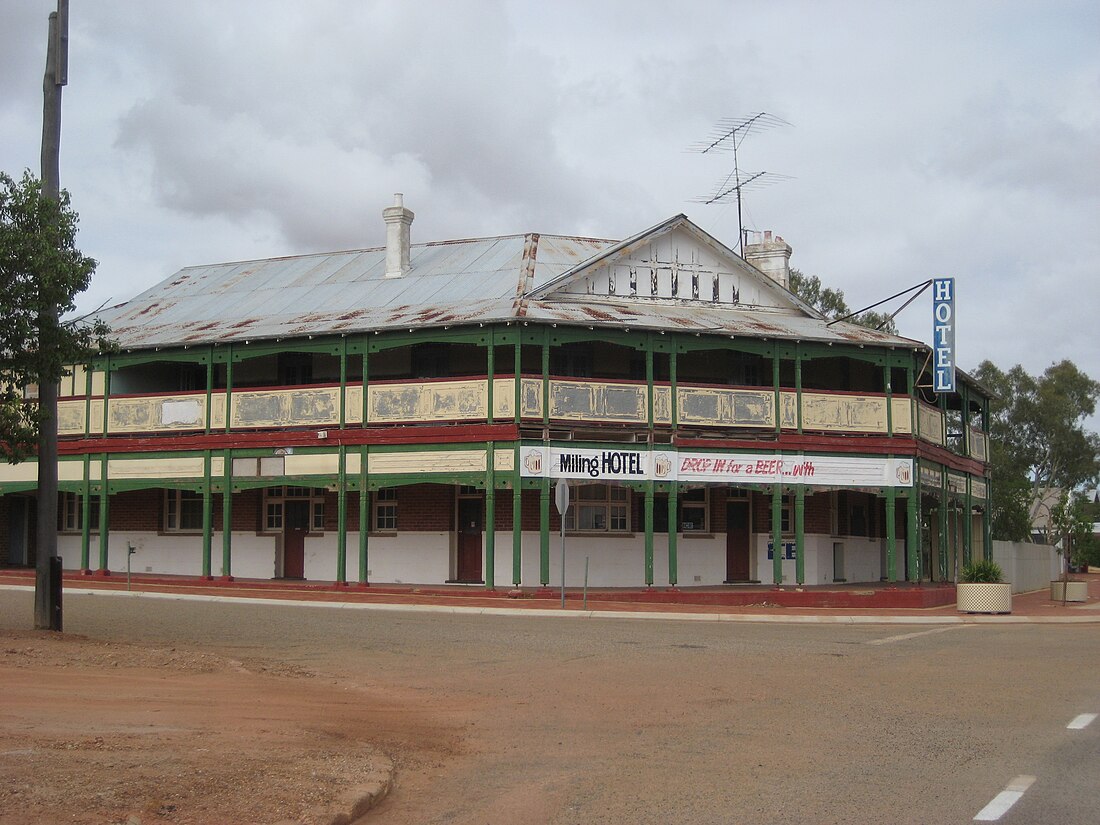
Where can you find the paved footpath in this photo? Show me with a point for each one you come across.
(1035, 607)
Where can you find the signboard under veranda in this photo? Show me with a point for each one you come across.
(943, 334)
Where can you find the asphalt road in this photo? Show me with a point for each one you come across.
(606, 720)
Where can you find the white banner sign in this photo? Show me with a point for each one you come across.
(718, 468)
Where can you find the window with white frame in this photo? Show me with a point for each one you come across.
(599, 508)
(384, 514)
(70, 515)
(182, 511)
(693, 510)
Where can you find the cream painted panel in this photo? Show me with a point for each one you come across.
(902, 411)
(531, 398)
(436, 461)
(353, 463)
(99, 383)
(95, 425)
(843, 413)
(353, 404)
(77, 383)
(715, 406)
(662, 405)
(23, 471)
(155, 468)
(157, 413)
(286, 408)
(70, 471)
(217, 466)
(979, 445)
(788, 410)
(70, 417)
(306, 465)
(217, 411)
(504, 460)
(504, 391)
(931, 423)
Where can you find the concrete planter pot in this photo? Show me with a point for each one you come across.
(1076, 591)
(984, 597)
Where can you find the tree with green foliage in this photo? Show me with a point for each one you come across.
(40, 269)
(830, 303)
(1038, 441)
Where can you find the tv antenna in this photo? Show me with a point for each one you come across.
(727, 136)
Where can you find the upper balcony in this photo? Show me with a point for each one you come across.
(561, 401)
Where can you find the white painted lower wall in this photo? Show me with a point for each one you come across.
(1028, 566)
(428, 558)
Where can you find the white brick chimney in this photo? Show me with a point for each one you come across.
(772, 256)
(398, 221)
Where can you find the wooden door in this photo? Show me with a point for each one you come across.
(470, 521)
(295, 528)
(737, 541)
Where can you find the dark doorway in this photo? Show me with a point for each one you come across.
(19, 510)
(295, 529)
(737, 541)
(470, 525)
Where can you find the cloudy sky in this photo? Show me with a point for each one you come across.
(927, 138)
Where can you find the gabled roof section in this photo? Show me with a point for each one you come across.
(512, 278)
(670, 263)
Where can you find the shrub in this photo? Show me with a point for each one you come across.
(983, 570)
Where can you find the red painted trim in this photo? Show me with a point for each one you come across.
(941, 455)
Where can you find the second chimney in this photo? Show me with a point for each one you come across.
(772, 257)
(398, 221)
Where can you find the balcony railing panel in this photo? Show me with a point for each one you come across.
(719, 407)
(427, 401)
(71, 417)
(902, 412)
(834, 412)
(930, 421)
(979, 445)
(301, 407)
(158, 413)
(662, 405)
(597, 401)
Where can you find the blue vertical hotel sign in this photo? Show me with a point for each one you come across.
(943, 334)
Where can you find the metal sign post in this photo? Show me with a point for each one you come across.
(561, 502)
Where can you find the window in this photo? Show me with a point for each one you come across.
(786, 514)
(182, 511)
(384, 517)
(599, 508)
(273, 515)
(70, 516)
(693, 510)
(275, 499)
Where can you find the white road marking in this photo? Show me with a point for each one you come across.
(1081, 722)
(1005, 799)
(905, 636)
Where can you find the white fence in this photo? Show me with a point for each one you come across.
(1028, 566)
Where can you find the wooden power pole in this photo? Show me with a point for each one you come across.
(47, 584)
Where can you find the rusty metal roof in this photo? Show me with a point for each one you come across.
(451, 283)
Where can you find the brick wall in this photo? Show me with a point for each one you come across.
(425, 507)
(136, 510)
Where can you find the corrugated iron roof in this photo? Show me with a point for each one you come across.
(450, 283)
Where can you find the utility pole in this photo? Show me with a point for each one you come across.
(47, 582)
